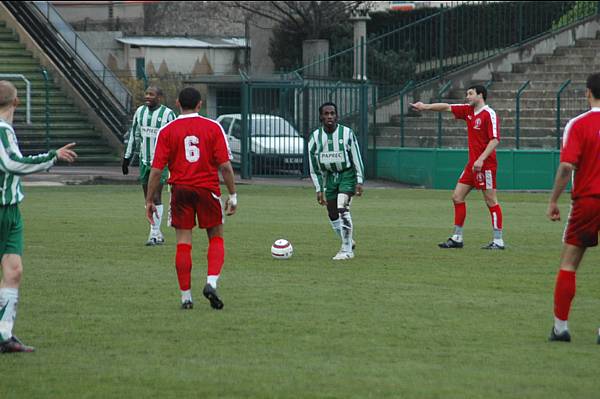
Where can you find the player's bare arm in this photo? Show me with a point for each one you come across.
(491, 147)
(153, 183)
(436, 107)
(563, 175)
(229, 178)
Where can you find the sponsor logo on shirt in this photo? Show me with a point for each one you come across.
(331, 157)
(477, 124)
(149, 131)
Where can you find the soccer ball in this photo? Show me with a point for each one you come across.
(282, 249)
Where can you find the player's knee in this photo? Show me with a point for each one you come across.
(13, 270)
(457, 199)
(491, 202)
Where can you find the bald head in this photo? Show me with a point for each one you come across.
(8, 93)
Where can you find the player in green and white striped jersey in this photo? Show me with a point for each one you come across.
(147, 121)
(13, 165)
(337, 171)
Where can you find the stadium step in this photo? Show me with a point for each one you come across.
(538, 103)
(67, 123)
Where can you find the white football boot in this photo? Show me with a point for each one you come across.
(342, 255)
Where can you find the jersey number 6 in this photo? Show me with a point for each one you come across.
(192, 152)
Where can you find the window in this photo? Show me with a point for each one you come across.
(236, 130)
(226, 123)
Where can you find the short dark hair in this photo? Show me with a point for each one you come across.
(189, 98)
(156, 89)
(327, 104)
(479, 89)
(593, 83)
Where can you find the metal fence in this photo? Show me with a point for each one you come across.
(278, 117)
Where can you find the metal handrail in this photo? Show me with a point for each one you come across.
(518, 112)
(558, 94)
(441, 92)
(28, 90)
(85, 54)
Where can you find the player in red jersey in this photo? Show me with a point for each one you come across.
(195, 150)
(480, 172)
(580, 154)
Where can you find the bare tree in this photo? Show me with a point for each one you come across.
(309, 17)
(296, 21)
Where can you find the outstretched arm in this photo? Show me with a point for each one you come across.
(437, 107)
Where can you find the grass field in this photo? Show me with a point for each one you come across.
(404, 319)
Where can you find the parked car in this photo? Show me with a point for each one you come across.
(273, 142)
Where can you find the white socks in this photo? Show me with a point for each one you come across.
(212, 280)
(155, 229)
(560, 325)
(336, 225)
(346, 222)
(186, 296)
(9, 297)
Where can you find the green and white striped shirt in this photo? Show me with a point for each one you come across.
(144, 131)
(333, 153)
(13, 164)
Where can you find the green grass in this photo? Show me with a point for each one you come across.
(403, 319)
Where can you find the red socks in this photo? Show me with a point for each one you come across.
(183, 261)
(183, 264)
(460, 213)
(564, 292)
(496, 213)
(215, 256)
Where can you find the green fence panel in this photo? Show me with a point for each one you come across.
(441, 168)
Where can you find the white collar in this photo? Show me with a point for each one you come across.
(481, 109)
(192, 115)
(595, 109)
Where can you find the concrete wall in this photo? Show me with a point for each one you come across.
(502, 62)
(99, 11)
(199, 18)
(106, 47)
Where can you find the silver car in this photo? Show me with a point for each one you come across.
(274, 144)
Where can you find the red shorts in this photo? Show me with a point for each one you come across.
(484, 180)
(189, 203)
(583, 224)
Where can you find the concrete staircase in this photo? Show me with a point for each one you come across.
(538, 102)
(67, 122)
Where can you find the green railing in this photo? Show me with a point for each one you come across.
(47, 107)
(403, 92)
(441, 93)
(558, 118)
(518, 114)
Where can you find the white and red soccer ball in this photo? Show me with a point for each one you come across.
(282, 249)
